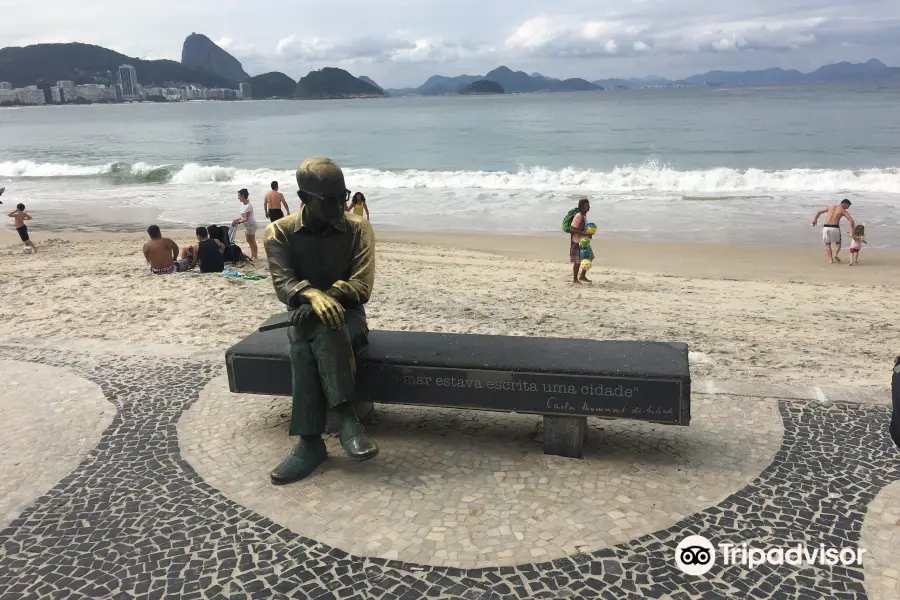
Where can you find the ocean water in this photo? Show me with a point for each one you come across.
(716, 165)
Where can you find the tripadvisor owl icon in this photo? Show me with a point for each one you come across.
(695, 555)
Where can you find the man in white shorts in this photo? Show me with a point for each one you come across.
(831, 231)
(248, 219)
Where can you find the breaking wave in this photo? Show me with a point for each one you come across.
(645, 177)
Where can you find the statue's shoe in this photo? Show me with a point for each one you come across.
(356, 442)
(300, 463)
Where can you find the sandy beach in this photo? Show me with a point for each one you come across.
(749, 313)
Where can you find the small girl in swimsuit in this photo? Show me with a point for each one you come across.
(859, 238)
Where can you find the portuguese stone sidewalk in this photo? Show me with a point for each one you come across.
(136, 474)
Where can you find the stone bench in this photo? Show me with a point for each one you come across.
(565, 380)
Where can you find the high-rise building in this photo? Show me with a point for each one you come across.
(92, 92)
(246, 91)
(7, 96)
(56, 94)
(129, 82)
(5, 85)
(66, 85)
(30, 95)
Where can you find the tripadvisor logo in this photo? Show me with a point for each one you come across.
(696, 555)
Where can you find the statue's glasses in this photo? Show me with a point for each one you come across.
(344, 200)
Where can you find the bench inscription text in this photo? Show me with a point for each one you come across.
(575, 395)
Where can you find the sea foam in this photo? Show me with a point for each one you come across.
(648, 177)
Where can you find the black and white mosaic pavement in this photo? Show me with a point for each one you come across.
(133, 520)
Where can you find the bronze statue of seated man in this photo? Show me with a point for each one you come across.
(322, 262)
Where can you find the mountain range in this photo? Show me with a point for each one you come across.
(86, 63)
(511, 81)
(205, 63)
(873, 71)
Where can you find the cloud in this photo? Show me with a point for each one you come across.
(561, 37)
(367, 50)
(760, 34)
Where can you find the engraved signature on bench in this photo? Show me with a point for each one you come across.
(656, 411)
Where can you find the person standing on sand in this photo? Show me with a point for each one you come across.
(358, 206)
(831, 232)
(859, 238)
(273, 202)
(19, 217)
(576, 229)
(162, 254)
(248, 220)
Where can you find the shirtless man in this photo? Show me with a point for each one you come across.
(273, 203)
(162, 254)
(831, 233)
(19, 217)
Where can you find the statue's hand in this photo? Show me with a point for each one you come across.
(300, 313)
(326, 308)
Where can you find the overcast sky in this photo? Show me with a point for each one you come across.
(402, 42)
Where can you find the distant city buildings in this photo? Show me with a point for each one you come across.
(31, 94)
(129, 82)
(126, 90)
(92, 92)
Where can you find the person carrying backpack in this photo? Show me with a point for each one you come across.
(575, 223)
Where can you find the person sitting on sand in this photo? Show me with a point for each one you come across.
(273, 202)
(859, 238)
(19, 217)
(248, 220)
(358, 205)
(207, 252)
(162, 254)
(831, 234)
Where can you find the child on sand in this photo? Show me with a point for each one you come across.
(19, 217)
(859, 238)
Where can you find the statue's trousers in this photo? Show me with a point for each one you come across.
(323, 367)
